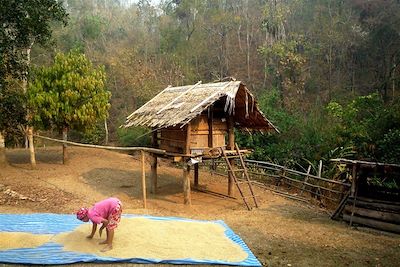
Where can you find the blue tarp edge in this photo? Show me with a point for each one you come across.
(50, 223)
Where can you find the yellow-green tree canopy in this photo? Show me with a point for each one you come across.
(69, 94)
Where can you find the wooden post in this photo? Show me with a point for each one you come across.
(231, 146)
(65, 137)
(196, 175)
(305, 180)
(31, 147)
(210, 128)
(3, 160)
(153, 164)
(353, 182)
(143, 179)
(354, 187)
(188, 135)
(186, 184)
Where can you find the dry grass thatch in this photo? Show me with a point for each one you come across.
(179, 105)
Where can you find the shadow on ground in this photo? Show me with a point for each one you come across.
(22, 156)
(112, 181)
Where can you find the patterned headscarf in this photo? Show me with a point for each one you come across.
(81, 214)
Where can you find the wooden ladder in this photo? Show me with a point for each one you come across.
(243, 171)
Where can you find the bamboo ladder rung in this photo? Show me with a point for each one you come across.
(245, 174)
(237, 170)
(252, 196)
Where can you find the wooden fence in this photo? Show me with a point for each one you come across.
(290, 183)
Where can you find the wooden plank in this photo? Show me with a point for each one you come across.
(373, 223)
(376, 205)
(375, 214)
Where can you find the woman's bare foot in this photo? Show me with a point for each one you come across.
(103, 242)
(106, 248)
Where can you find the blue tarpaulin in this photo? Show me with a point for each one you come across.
(53, 253)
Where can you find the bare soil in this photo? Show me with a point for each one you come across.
(280, 232)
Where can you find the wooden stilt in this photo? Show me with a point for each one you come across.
(153, 166)
(196, 175)
(186, 184)
(143, 179)
(231, 146)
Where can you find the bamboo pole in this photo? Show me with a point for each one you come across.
(143, 179)
(175, 99)
(147, 149)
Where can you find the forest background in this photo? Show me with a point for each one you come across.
(326, 73)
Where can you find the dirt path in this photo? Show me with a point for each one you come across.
(280, 233)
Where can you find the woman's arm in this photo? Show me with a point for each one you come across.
(105, 223)
(94, 227)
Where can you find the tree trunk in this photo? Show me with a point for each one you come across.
(106, 130)
(65, 138)
(3, 160)
(31, 147)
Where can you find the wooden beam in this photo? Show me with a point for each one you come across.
(375, 214)
(373, 223)
(143, 179)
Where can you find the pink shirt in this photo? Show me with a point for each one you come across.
(102, 210)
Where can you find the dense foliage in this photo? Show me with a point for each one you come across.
(23, 24)
(325, 72)
(69, 94)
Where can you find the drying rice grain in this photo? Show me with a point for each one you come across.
(12, 240)
(158, 239)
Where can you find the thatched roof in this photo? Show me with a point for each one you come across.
(179, 105)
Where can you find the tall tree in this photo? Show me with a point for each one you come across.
(24, 23)
(70, 94)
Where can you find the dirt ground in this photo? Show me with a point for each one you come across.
(280, 232)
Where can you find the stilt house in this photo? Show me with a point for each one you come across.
(197, 120)
(192, 120)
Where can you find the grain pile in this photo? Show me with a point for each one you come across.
(157, 239)
(13, 240)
